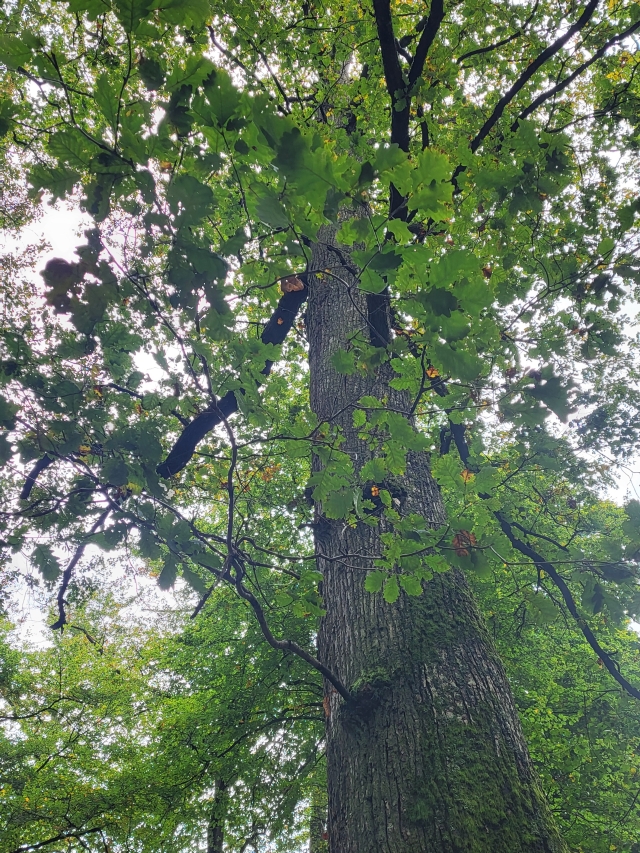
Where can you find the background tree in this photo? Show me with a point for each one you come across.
(466, 257)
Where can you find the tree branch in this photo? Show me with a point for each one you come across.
(524, 78)
(386, 38)
(436, 16)
(33, 475)
(568, 80)
(396, 83)
(68, 572)
(274, 332)
(74, 833)
(481, 50)
(286, 645)
(540, 563)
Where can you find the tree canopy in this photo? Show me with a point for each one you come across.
(476, 165)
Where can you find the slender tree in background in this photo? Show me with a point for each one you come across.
(353, 271)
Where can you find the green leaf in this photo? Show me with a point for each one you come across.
(338, 504)
(375, 470)
(400, 230)
(107, 99)
(14, 51)
(440, 301)
(190, 13)
(149, 546)
(374, 581)
(457, 362)
(116, 472)
(59, 181)
(208, 559)
(344, 362)
(395, 457)
(92, 8)
(606, 245)
(72, 148)
(389, 157)
(359, 418)
(222, 95)
(446, 472)
(541, 609)
(193, 579)
(131, 12)
(189, 199)
(455, 265)
(627, 214)
(169, 573)
(432, 166)
(474, 295)
(151, 73)
(554, 393)
(271, 211)
(371, 282)
(355, 231)
(46, 562)
(97, 200)
(8, 413)
(5, 449)
(410, 584)
(7, 112)
(391, 590)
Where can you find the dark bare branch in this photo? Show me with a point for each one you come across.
(531, 69)
(33, 475)
(574, 74)
(436, 16)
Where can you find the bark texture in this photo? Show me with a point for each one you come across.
(430, 756)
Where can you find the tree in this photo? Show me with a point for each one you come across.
(130, 732)
(444, 180)
(173, 688)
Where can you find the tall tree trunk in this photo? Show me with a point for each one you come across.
(430, 756)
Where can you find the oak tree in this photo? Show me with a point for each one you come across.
(450, 191)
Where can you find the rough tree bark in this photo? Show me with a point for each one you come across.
(430, 755)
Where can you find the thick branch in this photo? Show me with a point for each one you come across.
(390, 62)
(524, 78)
(396, 83)
(274, 332)
(33, 475)
(436, 15)
(568, 80)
